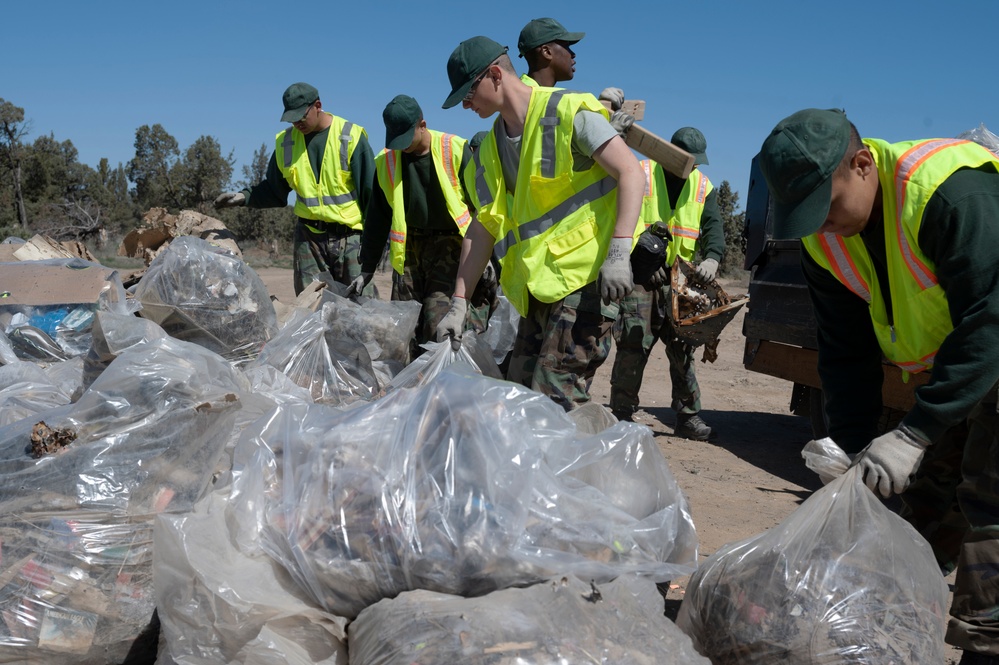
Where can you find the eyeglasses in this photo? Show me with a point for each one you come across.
(475, 86)
(306, 114)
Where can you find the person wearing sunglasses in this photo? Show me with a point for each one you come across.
(556, 193)
(327, 161)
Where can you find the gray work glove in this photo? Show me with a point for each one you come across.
(358, 284)
(230, 200)
(453, 322)
(613, 95)
(706, 270)
(889, 461)
(615, 274)
(659, 278)
(621, 122)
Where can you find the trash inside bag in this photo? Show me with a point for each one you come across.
(422, 489)
(335, 370)
(440, 355)
(562, 620)
(203, 294)
(841, 580)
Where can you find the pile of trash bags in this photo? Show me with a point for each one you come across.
(250, 488)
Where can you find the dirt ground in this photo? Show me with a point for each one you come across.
(749, 477)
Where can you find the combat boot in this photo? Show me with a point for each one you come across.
(975, 658)
(691, 426)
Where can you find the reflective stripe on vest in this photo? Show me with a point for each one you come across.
(345, 145)
(288, 145)
(843, 265)
(549, 123)
(903, 171)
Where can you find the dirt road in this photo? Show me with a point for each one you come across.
(746, 479)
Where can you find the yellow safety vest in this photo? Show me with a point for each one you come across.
(334, 198)
(909, 173)
(685, 223)
(446, 150)
(528, 80)
(553, 235)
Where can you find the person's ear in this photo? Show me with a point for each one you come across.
(863, 161)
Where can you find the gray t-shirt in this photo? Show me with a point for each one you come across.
(590, 130)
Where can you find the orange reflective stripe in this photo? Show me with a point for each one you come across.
(686, 232)
(843, 265)
(647, 166)
(463, 220)
(702, 186)
(390, 167)
(914, 367)
(397, 236)
(446, 156)
(904, 169)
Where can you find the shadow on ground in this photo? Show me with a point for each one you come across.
(771, 442)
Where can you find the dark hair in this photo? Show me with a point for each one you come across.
(855, 143)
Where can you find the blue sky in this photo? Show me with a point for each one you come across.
(94, 72)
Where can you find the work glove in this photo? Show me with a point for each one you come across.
(453, 322)
(706, 270)
(615, 273)
(889, 461)
(621, 122)
(489, 274)
(613, 95)
(659, 278)
(230, 200)
(358, 284)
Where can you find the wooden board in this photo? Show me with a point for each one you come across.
(633, 107)
(674, 160)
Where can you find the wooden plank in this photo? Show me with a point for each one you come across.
(675, 160)
(633, 107)
(800, 365)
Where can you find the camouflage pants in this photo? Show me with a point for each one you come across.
(641, 322)
(954, 504)
(560, 345)
(427, 277)
(335, 251)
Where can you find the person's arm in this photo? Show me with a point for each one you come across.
(377, 225)
(617, 159)
(272, 191)
(960, 233)
(362, 168)
(476, 248)
(712, 240)
(849, 360)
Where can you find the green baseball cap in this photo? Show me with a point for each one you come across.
(297, 100)
(476, 141)
(542, 31)
(401, 117)
(467, 61)
(798, 160)
(692, 140)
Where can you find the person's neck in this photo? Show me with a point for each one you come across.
(513, 110)
(325, 120)
(543, 77)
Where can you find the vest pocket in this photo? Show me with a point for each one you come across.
(573, 255)
(546, 193)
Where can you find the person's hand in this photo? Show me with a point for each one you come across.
(706, 270)
(453, 322)
(615, 274)
(230, 200)
(658, 278)
(621, 122)
(613, 95)
(889, 461)
(358, 284)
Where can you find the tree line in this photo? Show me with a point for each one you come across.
(45, 189)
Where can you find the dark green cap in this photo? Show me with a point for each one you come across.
(476, 141)
(692, 140)
(543, 30)
(467, 61)
(401, 117)
(297, 100)
(798, 160)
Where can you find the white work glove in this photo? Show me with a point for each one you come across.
(658, 278)
(621, 122)
(453, 322)
(889, 461)
(358, 284)
(613, 95)
(615, 274)
(706, 270)
(230, 200)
